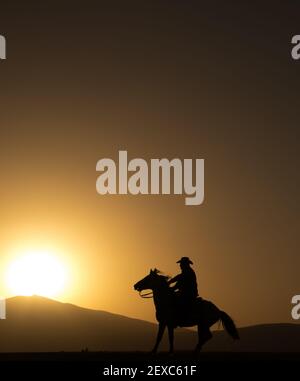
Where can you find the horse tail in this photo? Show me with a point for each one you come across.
(228, 325)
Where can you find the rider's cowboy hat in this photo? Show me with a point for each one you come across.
(185, 260)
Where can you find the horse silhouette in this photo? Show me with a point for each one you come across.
(204, 315)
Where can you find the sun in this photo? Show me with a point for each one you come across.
(36, 273)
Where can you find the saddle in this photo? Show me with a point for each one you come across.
(186, 312)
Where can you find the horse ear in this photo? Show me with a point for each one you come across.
(151, 271)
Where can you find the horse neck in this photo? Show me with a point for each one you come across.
(161, 296)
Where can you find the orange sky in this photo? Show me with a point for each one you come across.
(151, 83)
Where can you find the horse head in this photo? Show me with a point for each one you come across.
(151, 281)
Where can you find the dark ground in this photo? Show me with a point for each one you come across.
(91, 365)
(144, 357)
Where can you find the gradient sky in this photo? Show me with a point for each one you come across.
(158, 79)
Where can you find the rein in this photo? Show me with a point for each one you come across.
(148, 295)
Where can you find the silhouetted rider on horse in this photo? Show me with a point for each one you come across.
(186, 289)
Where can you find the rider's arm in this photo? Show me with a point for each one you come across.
(175, 279)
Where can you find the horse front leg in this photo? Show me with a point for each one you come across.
(161, 330)
(171, 338)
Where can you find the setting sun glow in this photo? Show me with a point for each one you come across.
(36, 273)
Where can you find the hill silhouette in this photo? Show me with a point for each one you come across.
(38, 324)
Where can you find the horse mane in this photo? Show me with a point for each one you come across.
(166, 278)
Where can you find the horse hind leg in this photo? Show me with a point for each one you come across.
(171, 339)
(204, 335)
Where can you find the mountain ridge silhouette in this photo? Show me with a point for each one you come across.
(39, 324)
